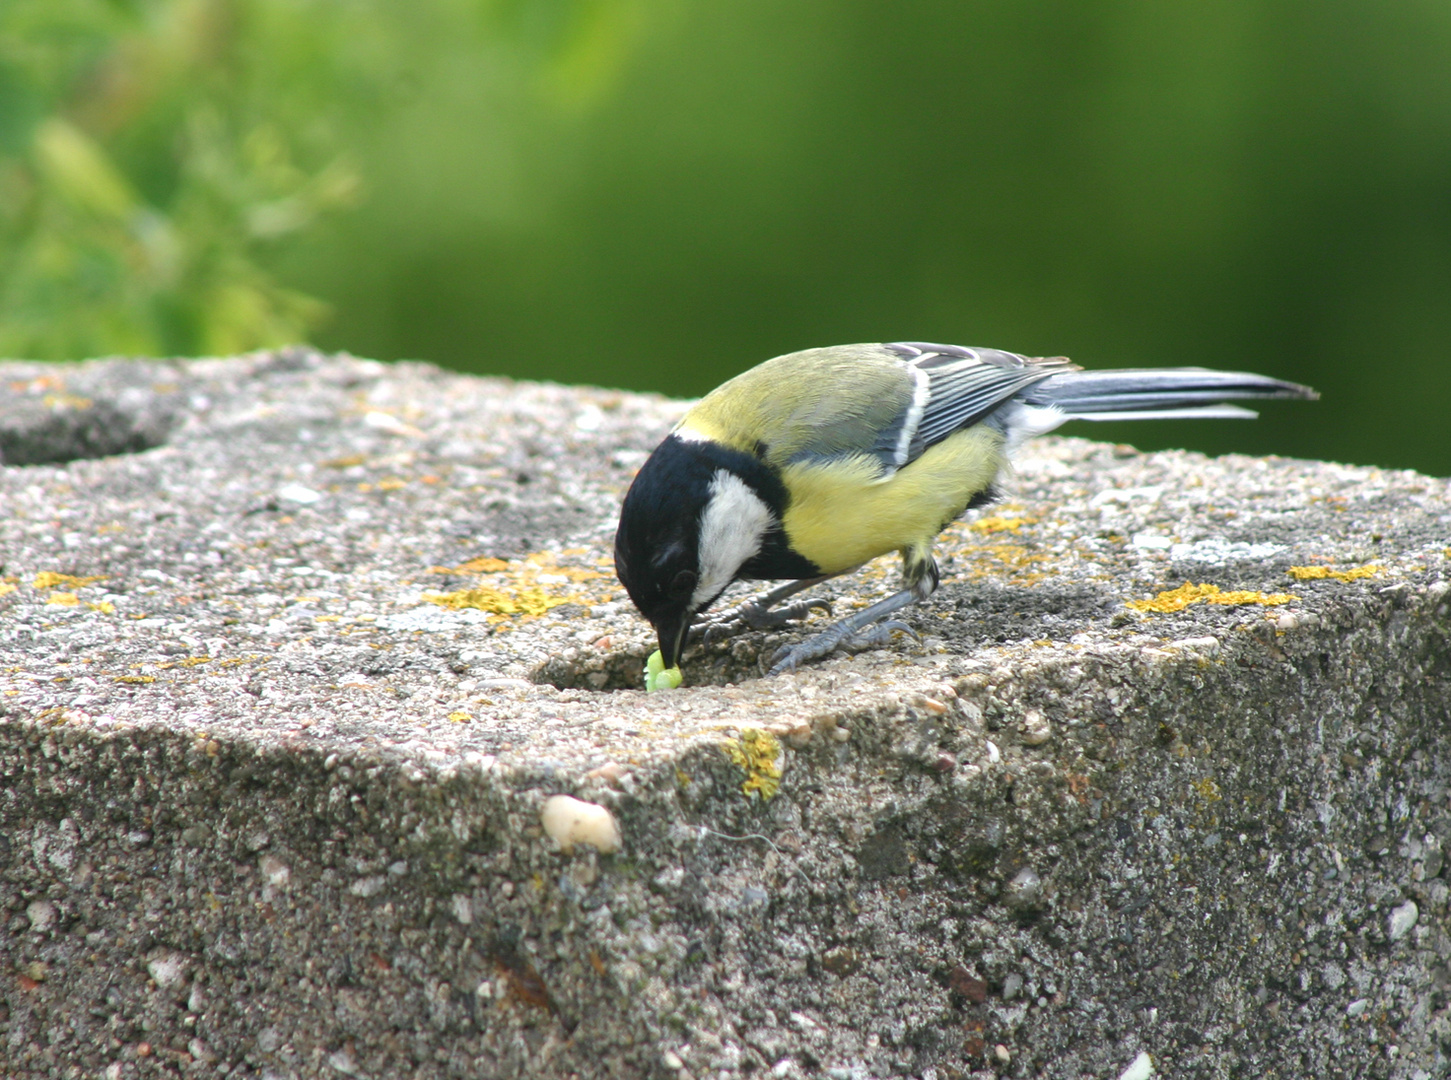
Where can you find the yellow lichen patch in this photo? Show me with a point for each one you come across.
(459, 717)
(523, 602)
(1320, 573)
(997, 524)
(105, 607)
(1178, 599)
(528, 587)
(1013, 561)
(64, 599)
(7, 587)
(758, 754)
(484, 564)
(1207, 790)
(1248, 596)
(49, 579)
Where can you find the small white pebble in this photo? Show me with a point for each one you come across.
(571, 821)
(368, 886)
(463, 909)
(994, 755)
(275, 871)
(41, 914)
(671, 1060)
(1402, 919)
(168, 969)
(1141, 1068)
(841, 734)
(1036, 728)
(296, 493)
(1002, 1053)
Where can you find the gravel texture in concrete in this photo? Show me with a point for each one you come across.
(296, 649)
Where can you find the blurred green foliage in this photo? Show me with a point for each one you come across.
(659, 193)
(150, 152)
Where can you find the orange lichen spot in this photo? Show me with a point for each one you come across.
(1320, 573)
(1178, 599)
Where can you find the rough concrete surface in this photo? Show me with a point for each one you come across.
(267, 811)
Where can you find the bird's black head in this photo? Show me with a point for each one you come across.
(657, 546)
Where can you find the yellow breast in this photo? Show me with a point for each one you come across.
(842, 514)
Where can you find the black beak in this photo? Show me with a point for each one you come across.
(672, 630)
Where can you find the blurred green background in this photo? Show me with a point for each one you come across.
(656, 194)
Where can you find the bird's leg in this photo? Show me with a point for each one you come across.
(756, 613)
(850, 633)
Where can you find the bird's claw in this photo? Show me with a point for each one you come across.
(790, 657)
(752, 615)
(875, 637)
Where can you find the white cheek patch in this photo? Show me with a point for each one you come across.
(734, 524)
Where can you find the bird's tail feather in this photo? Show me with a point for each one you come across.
(1158, 393)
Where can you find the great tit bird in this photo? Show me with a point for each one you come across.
(811, 464)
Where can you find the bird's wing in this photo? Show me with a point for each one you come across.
(962, 387)
(889, 402)
(818, 404)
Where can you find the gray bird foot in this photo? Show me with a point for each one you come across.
(755, 615)
(877, 637)
(842, 636)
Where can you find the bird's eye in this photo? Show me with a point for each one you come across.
(683, 585)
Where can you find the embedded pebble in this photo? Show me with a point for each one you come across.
(571, 821)
(1141, 1068)
(463, 909)
(41, 914)
(368, 886)
(168, 969)
(275, 871)
(1024, 890)
(1036, 728)
(1402, 919)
